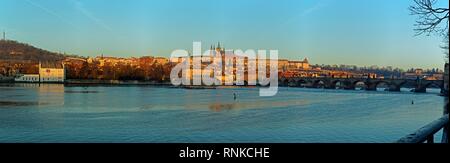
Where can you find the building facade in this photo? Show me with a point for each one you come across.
(52, 72)
(32, 78)
(48, 73)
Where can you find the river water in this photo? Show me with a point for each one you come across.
(50, 113)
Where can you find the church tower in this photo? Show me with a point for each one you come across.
(305, 60)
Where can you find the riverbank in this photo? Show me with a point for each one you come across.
(144, 83)
(71, 82)
(90, 83)
(114, 82)
(6, 79)
(167, 84)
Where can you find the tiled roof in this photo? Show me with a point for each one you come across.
(51, 65)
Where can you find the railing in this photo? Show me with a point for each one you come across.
(426, 133)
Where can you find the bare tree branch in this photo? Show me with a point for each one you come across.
(445, 47)
(430, 19)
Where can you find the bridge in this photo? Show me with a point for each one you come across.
(370, 84)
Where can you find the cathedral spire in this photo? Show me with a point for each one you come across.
(305, 60)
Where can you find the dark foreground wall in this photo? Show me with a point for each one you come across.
(446, 79)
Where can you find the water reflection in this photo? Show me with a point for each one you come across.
(217, 106)
(52, 94)
(221, 107)
(18, 103)
(52, 113)
(80, 91)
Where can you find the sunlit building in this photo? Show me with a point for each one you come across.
(298, 65)
(161, 60)
(48, 73)
(52, 72)
(31, 78)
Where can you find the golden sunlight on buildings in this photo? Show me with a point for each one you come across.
(229, 65)
(48, 73)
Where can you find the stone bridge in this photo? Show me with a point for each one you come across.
(419, 85)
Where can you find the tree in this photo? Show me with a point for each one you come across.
(445, 47)
(431, 19)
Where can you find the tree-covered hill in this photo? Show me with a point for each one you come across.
(13, 50)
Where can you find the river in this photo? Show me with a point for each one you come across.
(53, 113)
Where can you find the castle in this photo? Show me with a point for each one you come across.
(229, 64)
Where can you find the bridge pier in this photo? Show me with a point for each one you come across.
(420, 89)
(394, 88)
(371, 89)
(348, 85)
(350, 88)
(371, 86)
(292, 85)
(283, 83)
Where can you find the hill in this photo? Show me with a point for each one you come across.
(16, 51)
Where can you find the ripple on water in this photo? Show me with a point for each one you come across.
(81, 92)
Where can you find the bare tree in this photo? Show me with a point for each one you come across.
(431, 19)
(445, 47)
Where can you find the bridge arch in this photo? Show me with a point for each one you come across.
(382, 84)
(283, 82)
(433, 85)
(373, 85)
(359, 84)
(301, 83)
(401, 84)
(319, 83)
(396, 85)
(335, 83)
(292, 83)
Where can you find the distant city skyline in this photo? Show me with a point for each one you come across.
(351, 32)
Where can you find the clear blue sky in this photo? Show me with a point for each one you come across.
(359, 32)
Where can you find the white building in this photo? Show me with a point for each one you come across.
(32, 78)
(52, 72)
(48, 73)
